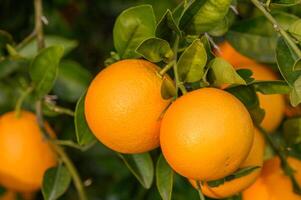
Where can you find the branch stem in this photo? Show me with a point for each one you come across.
(278, 28)
(28, 39)
(39, 24)
(166, 68)
(21, 99)
(201, 195)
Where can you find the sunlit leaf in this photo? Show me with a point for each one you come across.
(168, 89)
(192, 62)
(295, 29)
(272, 87)
(43, 69)
(133, 26)
(155, 50)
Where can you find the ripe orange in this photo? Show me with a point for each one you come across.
(273, 184)
(123, 106)
(255, 158)
(25, 155)
(206, 134)
(231, 55)
(274, 105)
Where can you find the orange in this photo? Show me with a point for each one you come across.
(123, 106)
(206, 134)
(255, 158)
(274, 105)
(273, 184)
(231, 55)
(25, 154)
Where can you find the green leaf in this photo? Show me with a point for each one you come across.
(256, 37)
(192, 62)
(164, 178)
(72, 81)
(297, 65)
(295, 95)
(43, 69)
(221, 72)
(168, 89)
(133, 26)
(141, 166)
(30, 50)
(166, 26)
(56, 182)
(246, 74)
(204, 15)
(84, 135)
(295, 29)
(247, 95)
(238, 174)
(155, 50)
(292, 130)
(10, 65)
(223, 26)
(204, 39)
(272, 87)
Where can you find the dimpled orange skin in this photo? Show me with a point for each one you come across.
(123, 106)
(255, 158)
(25, 155)
(206, 134)
(273, 184)
(274, 105)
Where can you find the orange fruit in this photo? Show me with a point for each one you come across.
(123, 106)
(274, 105)
(231, 55)
(9, 195)
(273, 184)
(25, 154)
(255, 158)
(206, 134)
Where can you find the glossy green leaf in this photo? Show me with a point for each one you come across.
(43, 69)
(72, 81)
(284, 3)
(223, 26)
(30, 50)
(247, 95)
(168, 89)
(155, 50)
(272, 87)
(246, 74)
(10, 65)
(210, 55)
(84, 135)
(192, 62)
(55, 182)
(133, 26)
(256, 37)
(295, 29)
(166, 26)
(204, 15)
(292, 130)
(221, 72)
(141, 166)
(295, 95)
(164, 178)
(238, 174)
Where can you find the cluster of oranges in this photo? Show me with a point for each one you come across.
(206, 134)
(25, 155)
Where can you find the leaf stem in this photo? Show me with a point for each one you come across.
(179, 85)
(61, 153)
(69, 143)
(59, 109)
(21, 99)
(28, 39)
(166, 68)
(202, 197)
(38, 23)
(289, 171)
(277, 27)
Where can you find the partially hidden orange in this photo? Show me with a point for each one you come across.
(25, 154)
(123, 106)
(230, 188)
(206, 134)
